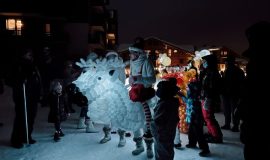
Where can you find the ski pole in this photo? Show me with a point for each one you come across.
(25, 113)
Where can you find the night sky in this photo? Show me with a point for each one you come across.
(197, 22)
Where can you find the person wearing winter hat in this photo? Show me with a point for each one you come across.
(232, 80)
(142, 72)
(92, 55)
(251, 108)
(210, 94)
(165, 119)
(258, 36)
(194, 115)
(25, 77)
(112, 58)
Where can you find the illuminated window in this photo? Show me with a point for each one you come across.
(175, 51)
(19, 24)
(222, 67)
(48, 28)
(111, 36)
(10, 24)
(15, 25)
(170, 51)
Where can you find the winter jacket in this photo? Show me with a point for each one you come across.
(211, 89)
(193, 101)
(28, 74)
(58, 108)
(165, 119)
(233, 81)
(144, 67)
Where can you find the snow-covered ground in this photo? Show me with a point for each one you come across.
(78, 145)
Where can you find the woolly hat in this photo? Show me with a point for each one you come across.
(111, 53)
(92, 55)
(138, 46)
(258, 36)
(204, 53)
(167, 89)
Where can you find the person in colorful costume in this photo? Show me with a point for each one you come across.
(194, 114)
(142, 72)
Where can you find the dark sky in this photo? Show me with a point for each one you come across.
(197, 22)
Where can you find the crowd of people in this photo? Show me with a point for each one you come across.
(32, 84)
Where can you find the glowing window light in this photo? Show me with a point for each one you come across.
(10, 24)
(170, 51)
(111, 36)
(14, 25)
(222, 67)
(48, 28)
(19, 24)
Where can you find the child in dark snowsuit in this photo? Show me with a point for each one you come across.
(165, 120)
(58, 108)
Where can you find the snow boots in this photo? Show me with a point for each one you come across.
(107, 136)
(122, 139)
(81, 123)
(90, 126)
(149, 150)
(177, 140)
(57, 135)
(139, 146)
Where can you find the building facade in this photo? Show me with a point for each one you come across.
(222, 53)
(155, 46)
(103, 27)
(72, 29)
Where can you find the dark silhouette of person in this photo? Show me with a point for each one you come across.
(1, 86)
(195, 116)
(25, 73)
(255, 100)
(1, 92)
(232, 81)
(210, 91)
(45, 68)
(165, 119)
(69, 74)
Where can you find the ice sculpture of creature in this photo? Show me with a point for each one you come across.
(108, 97)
